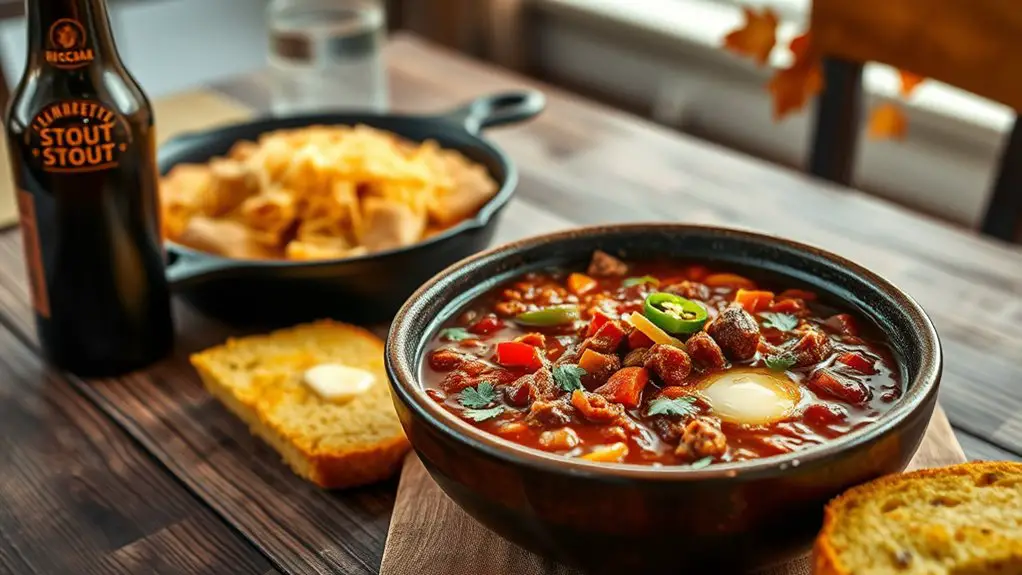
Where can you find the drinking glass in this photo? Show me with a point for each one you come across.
(327, 55)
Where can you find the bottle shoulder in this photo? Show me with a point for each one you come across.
(110, 85)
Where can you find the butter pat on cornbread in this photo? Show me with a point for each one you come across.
(318, 394)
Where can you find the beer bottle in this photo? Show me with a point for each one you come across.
(81, 144)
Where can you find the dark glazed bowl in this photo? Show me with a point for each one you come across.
(361, 289)
(638, 519)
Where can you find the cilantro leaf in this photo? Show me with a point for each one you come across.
(629, 282)
(781, 321)
(780, 362)
(455, 334)
(568, 377)
(478, 396)
(681, 406)
(478, 415)
(701, 463)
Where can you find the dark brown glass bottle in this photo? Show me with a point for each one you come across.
(80, 138)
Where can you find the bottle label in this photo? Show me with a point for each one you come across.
(67, 45)
(33, 253)
(77, 136)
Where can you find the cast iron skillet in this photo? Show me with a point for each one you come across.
(362, 289)
(626, 518)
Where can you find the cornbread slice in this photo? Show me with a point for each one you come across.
(259, 378)
(960, 520)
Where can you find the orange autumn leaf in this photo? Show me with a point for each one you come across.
(799, 46)
(909, 81)
(756, 37)
(793, 87)
(887, 121)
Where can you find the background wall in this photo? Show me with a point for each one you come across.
(171, 45)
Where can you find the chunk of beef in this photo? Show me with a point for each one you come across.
(561, 439)
(672, 365)
(595, 407)
(669, 429)
(531, 387)
(705, 352)
(606, 339)
(606, 265)
(828, 383)
(689, 290)
(702, 438)
(599, 367)
(636, 357)
(812, 348)
(445, 359)
(543, 413)
(736, 332)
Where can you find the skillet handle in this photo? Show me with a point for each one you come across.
(186, 270)
(497, 110)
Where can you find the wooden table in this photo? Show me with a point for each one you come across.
(147, 474)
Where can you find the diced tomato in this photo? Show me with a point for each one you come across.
(625, 386)
(824, 414)
(637, 339)
(842, 323)
(534, 339)
(695, 273)
(826, 382)
(518, 354)
(797, 294)
(729, 280)
(753, 301)
(487, 325)
(787, 306)
(858, 362)
(599, 318)
(581, 284)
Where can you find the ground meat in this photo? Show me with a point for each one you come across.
(561, 439)
(606, 265)
(445, 359)
(689, 290)
(636, 357)
(670, 364)
(549, 413)
(736, 332)
(702, 438)
(595, 407)
(813, 348)
(705, 352)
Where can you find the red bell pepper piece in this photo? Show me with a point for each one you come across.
(599, 318)
(518, 354)
(487, 325)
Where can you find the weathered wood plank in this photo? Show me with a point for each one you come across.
(77, 496)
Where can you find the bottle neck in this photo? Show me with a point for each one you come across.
(70, 34)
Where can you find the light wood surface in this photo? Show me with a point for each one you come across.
(580, 163)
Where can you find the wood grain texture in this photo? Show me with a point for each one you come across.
(425, 522)
(972, 44)
(77, 496)
(580, 164)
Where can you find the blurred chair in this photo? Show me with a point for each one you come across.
(973, 44)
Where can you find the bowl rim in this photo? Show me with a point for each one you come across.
(404, 379)
(182, 143)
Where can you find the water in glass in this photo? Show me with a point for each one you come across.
(327, 55)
